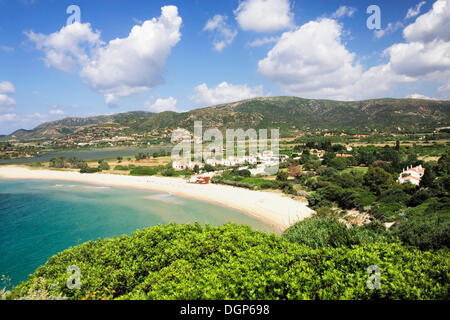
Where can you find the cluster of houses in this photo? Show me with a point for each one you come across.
(412, 174)
(321, 153)
(260, 160)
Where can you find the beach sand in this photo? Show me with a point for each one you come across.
(275, 209)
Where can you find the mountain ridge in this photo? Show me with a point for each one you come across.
(285, 112)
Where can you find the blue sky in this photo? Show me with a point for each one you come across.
(206, 52)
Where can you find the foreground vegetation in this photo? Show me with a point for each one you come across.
(235, 262)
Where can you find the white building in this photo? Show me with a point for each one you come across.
(192, 165)
(413, 175)
(179, 166)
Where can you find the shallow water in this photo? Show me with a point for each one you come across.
(41, 218)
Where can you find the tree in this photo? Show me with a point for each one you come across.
(378, 180)
(328, 157)
(339, 163)
(196, 169)
(103, 165)
(443, 166)
(294, 171)
(428, 178)
(119, 159)
(282, 176)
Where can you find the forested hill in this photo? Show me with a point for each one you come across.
(286, 113)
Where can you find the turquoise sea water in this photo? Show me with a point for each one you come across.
(41, 218)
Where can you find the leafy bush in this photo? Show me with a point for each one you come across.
(282, 176)
(234, 262)
(121, 168)
(318, 233)
(87, 169)
(339, 163)
(356, 198)
(420, 197)
(103, 165)
(144, 171)
(234, 183)
(431, 231)
(315, 200)
(378, 180)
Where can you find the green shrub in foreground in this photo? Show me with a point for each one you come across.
(234, 262)
(317, 233)
(431, 231)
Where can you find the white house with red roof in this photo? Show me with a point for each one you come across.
(412, 174)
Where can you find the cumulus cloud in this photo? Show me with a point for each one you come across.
(420, 59)
(224, 93)
(413, 12)
(262, 41)
(390, 28)
(13, 121)
(224, 35)
(419, 96)
(121, 67)
(56, 112)
(264, 15)
(312, 60)
(66, 48)
(425, 54)
(432, 25)
(7, 87)
(6, 102)
(343, 11)
(161, 105)
(443, 91)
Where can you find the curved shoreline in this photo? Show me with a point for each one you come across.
(274, 209)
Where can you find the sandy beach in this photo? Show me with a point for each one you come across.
(272, 208)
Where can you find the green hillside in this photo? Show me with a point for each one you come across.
(286, 113)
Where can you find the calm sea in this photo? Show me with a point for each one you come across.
(41, 218)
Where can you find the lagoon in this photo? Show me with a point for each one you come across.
(94, 154)
(41, 218)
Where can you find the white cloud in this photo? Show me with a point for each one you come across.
(390, 28)
(56, 112)
(262, 41)
(419, 96)
(443, 91)
(121, 67)
(6, 48)
(412, 12)
(13, 121)
(224, 34)
(264, 15)
(417, 59)
(312, 61)
(8, 117)
(224, 93)
(6, 102)
(432, 25)
(343, 11)
(66, 48)
(7, 87)
(425, 55)
(161, 105)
